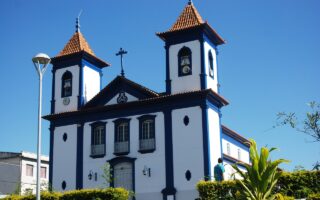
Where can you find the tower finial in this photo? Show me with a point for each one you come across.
(190, 2)
(78, 22)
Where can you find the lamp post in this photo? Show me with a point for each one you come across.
(40, 62)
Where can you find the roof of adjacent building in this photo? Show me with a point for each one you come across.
(188, 20)
(22, 154)
(235, 135)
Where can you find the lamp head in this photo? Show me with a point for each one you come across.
(41, 58)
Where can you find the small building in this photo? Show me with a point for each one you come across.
(158, 144)
(18, 172)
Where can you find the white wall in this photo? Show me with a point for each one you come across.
(91, 79)
(73, 105)
(185, 83)
(145, 186)
(234, 151)
(114, 99)
(64, 157)
(214, 137)
(211, 82)
(187, 151)
(29, 182)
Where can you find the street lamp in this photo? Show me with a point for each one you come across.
(40, 62)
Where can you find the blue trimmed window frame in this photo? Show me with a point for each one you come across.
(94, 127)
(184, 52)
(211, 65)
(66, 77)
(152, 134)
(125, 138)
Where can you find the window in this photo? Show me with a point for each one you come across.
(98, 139)
(239, 154)
(228, 148)
(66, 84)
(147, 141)
(185, 62)
(210, 60)
(29, 170)
(43, 172)
(122, 136)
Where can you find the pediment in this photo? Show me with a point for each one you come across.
(121, 90)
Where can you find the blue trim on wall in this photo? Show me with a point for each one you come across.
(91, 66)
(168, 80)
(203, 76)
(53, 91)
(235, 142)
(79, 168)
(169, 189)
(220, 116)
(51, 152)
(81, 87)
(101, 74)
(206, 143)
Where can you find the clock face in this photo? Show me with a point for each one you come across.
(66, 101)
(186, 69)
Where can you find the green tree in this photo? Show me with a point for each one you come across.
(261, 176)
(107, 174)
(310, 125)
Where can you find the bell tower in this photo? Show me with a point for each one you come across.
(191, 53)
(76, 74)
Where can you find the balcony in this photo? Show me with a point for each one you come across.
(147, 145)
(97, 150)
(121, 148)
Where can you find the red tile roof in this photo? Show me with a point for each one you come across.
(76, 44)
(189, 17)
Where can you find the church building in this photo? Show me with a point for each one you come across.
(158, 144)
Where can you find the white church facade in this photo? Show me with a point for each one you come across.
(159, 145)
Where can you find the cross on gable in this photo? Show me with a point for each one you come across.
(121, 53)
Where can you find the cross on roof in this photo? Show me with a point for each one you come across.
(121, 53)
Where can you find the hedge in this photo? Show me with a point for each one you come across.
(296, 184)
(85, 194)
(314, 196)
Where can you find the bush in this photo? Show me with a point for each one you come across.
(299, 184)
(85, 194)
(296, 184)
(314, 196)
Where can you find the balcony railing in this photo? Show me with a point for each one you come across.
(97, 150)
(147, 144)
(121, 147)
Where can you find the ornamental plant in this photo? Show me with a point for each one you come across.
(261, 176)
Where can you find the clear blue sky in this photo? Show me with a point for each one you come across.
(271, 61)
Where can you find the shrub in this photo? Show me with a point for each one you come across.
(314, 196)
(296, 184)
(86, 194)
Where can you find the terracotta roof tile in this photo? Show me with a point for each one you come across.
(76, 44)
(189, 17)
